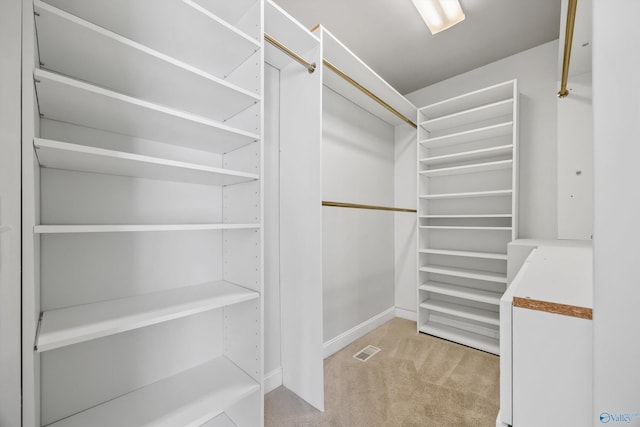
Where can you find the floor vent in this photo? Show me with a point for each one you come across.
(366, 353)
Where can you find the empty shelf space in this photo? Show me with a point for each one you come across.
(488, 276)
(181, 29)
(481, 342)
(490, 193)
(121, 228)
(62, 155)
(220, 421)
(462, 292)
(445, 216)
(473, 115)
(466, 312)
(66, 326)
(77, 48)
(485, 132)
(485, 153)
(473, 168)
(463, 227)
(189, 398)
(476, 98)
(468, 254)
(68, 100)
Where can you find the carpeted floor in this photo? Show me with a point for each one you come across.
(415, 381)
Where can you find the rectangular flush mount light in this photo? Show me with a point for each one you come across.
(440, 14)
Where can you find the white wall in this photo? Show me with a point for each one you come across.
(358, 244)
(575, 160)
(10, 36)
(535, 70)
(616, 94)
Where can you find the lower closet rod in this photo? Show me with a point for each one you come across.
(357, 206)
(311, 67)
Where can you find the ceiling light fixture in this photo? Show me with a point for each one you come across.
(440, 14)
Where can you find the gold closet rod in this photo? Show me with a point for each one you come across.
(568, 41)
(357, 206)
(310, 66)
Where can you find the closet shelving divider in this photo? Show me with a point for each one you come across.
(128, 104)
(467, 185)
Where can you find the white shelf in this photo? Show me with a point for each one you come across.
(462, 292)
(230, 11)
(220, 421)
(476, 98)
(468, 254)
(491, 193)
(473, 168)
(187, 399)
(466, 312)
(487, 276)
(339, 55)
(68, 100)
(484, 153)
(486, 132)
(467, 216)
(62, 155)
(481, 342)
(72, 325)
(464, 227)
(79, 49)
(473, 115)
(118, 228)
(204, 40)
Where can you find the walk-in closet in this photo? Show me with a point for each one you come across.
(280, 213)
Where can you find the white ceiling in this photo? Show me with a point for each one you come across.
(390, 36)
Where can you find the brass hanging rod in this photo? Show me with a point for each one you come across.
(373, 207)
(310, 66)
(568, 41)
(367, 92)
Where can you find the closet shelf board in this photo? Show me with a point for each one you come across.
(220, 421)
(478, 134)
(488, 276)
(445, 216)
(72, 325)
(119, 228)
(62, 155)
(77, 48)
(466, 117)
(188, 399)
(471, 313)
(477, 98)
(462, 292)
(469, 254)
(206, 42)
(473, 168)
(230, 11)
(463, 227)
(484, 153)
(484, 343)
(68, 100)
(490, 193)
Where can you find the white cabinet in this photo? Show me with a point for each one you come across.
(467, 198)
(142, 204)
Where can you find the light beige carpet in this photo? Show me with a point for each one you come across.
(416, 380)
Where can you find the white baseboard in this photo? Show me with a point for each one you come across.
(272, 380)
(346, 338)
(406, 314)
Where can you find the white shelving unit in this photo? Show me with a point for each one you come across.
(143, 213)
(467, 184)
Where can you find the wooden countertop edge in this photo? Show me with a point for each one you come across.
(552, 307)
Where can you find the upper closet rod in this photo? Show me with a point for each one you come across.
(568, 41)
(357, 206)
(311, 67)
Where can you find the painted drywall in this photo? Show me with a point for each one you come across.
(575, 160)
(271, 219)
(616, 108)
(535, 70)
(358, 244)
(10, 73)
